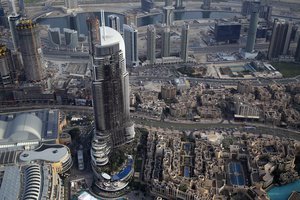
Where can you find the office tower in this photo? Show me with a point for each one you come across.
(179, 4)
(227, 32)
(247, 7)
(130, 19)
(151, 44)
(3, 18)
(252, 31)
(71, 38)
(184, 42)
(54, 37)
(265, 12)
(297, 54)
(165, 48)
(130, 34)
(168, 2)
(114, 22)
(280, 39)
(71, 4)
(93, 33)
(110, 90)
(74, 22)
(147, 5)
(287, 41)
(21, 7)
(6, 66)
(206, 4)
(168, 15)
(12, 21)
(30, 48)
(11, 6)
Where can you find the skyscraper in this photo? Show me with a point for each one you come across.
(110, 89)
(147, 5)
(206, 4)
(71, 38)
(30, 48)
(54, 37)
(131, 18)
(12, 21)
(297, 54)
(114, 22)
(71, 4)
(151, 44)
(252, 30)
(280, 39)
(6, 66)
(165, 48)
(93, 33)
(74, 22)
(184, 42)
(168, 2)
(179, 4)
(168, 15)
(130, 34)
(21, 7)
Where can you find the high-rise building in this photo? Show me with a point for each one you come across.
(131, 18)
(179, 4)
(168, 15)
(110, 90)
(71, 38)
(280, 39)
(227, 32)
(151, 44)
(3, 18)
(6, 66)
(248, 5)
(130, 34)
(93, 33)
(184, 42)
(288, 38)
(71, 4)
(206, 4)
(12, 21)
(54, 37)
(114, 22)
(147, 5)
(168, 2)
(297, 54)
(252, 31)
(265, 12)
(74, 22)
(21, 7)
(165, 48)
(30, 48)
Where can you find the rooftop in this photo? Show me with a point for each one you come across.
(46, 152)
(28, 126)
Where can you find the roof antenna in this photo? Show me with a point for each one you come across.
(103, 23)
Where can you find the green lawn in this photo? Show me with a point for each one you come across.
(287, 69)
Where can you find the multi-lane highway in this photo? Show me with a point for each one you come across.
(84, 110)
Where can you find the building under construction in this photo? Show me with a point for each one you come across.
(30, 48)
